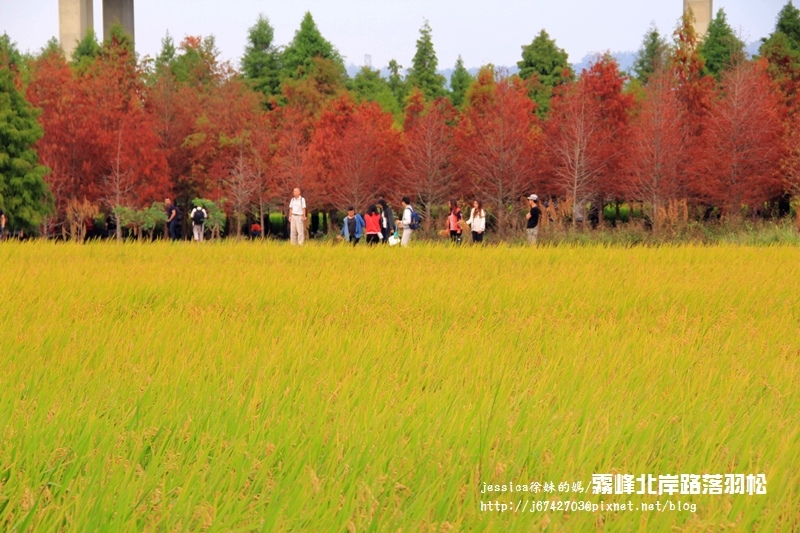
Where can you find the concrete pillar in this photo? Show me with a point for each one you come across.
(703, 13)
(75, 18)
(118, 12)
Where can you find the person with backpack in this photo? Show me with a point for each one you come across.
(353, 226)
(409, 222)
(477, 221)
(199, 217)
(172, 219)
(388, 226)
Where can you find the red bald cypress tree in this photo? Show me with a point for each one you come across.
(499, 144)
(353, 154)
(604, 84)
(427, 170)
(695, 91)
(744, 140)
(656, 148)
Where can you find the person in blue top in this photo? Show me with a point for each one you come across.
(353, 226)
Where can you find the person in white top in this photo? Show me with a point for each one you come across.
(405, 222)
(199, 216)
(477, 221)
(297, 218)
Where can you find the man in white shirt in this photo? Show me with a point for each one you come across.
(199, 216)
(297, 218)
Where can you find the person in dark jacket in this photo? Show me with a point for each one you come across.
(388, 225)
(173, 218)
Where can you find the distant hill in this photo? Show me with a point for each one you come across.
(752, 48)
(625, 60)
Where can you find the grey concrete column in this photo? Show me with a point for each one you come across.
(118, 12)
(75, 18)
(703, 13)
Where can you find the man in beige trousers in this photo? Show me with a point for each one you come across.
(297, 218)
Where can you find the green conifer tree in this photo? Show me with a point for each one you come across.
(261, 60)
(423, 73)
(650, 56)
(24, 196)
(460, 81)
(721, 48)
(550, 64)
(308, 43)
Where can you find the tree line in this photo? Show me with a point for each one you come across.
(697, 130)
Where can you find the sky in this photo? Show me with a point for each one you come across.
(481, 31)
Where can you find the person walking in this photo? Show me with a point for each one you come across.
(353, 226)
(533, 219)
(388, 226)
(199, 216)
(172, 219)
(298, 215)
(2, 224)
(453, 220)
(477, 221)
(373, 225)
(409, 222)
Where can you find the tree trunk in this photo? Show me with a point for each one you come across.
(600, 211)
(117, 228)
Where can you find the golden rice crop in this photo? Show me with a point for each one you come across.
(242, 386)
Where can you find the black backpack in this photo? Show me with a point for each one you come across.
(199, 216)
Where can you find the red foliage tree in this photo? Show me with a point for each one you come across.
(66, 147)
(499, 141)
(353, 153)
(427, 170)
(744, 138)
(784, 69)
(791, 161)
(303, 100)
(695, 91)
(99, 138)
(574, 140)
(656, 147)
(174, 107)
(604, 85)
(132, 170)
(264, 144)
(233, 112)
(290, 164)
(185, 96)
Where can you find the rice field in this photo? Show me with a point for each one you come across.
(259, 387)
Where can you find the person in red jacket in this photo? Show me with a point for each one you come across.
(453, 220)
(373, 225)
